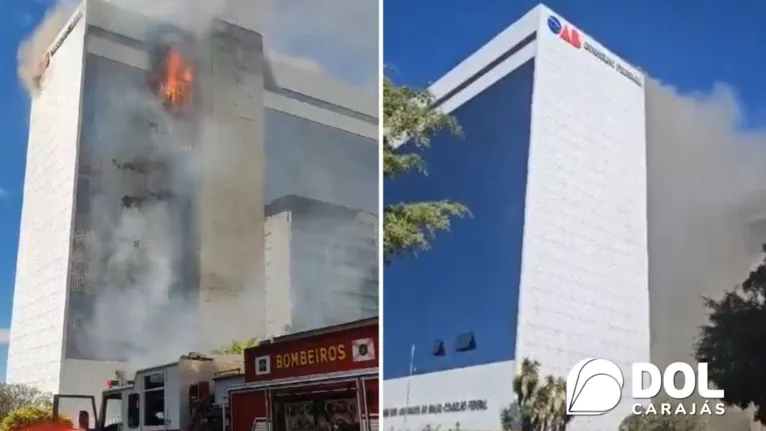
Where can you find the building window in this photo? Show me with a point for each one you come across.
(83, 196)
(154, 400)
(134, 410)
(79, 276)
(466, 342)
(439, 348)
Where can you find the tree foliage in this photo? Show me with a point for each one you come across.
(541, 401)
(409, 118)
(732, 343)
(34, 417)
(659, 422)
(17, 396)
(237, 347)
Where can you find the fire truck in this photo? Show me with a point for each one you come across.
(320, 380)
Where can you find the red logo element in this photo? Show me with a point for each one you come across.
(566, 32)
(571, 36)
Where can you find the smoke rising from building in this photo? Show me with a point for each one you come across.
(31, 53)
(306, 33)
(132, 250)
(138, 250)
(298, 26)
(706, 187)
(135, 252)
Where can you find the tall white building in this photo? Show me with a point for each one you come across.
(576, 249)
(553, 264)
(143, 216)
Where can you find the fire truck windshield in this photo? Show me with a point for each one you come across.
(110, 415)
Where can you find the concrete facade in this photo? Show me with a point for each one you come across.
(565, 209)
(320, 139)
(240, 92)
(320, 147)
(326, 256)
(39, 305)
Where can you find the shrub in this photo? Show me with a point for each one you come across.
(27, 418)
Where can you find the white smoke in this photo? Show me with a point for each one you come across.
(707, 186)
(135, 256)
(29, 61)
(141, 257)
(339, 35)
(140, 312)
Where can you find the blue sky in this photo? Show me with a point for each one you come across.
(689, 44)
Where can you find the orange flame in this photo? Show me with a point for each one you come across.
(176, 79)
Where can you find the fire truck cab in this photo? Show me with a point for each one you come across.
(321, 380)
(171, 396)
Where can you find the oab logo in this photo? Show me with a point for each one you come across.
(594, 387)
(567, 33)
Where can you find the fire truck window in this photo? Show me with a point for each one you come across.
(134, 407)
(154, 400)
(154, 408)
(155, 381)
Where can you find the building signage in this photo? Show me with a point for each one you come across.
(67, 30)
(437, 409)
(337, 351)
(318, 355)
(45, 61)
(567, 33)
(604, 58)
(571, 36)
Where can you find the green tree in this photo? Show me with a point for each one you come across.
(31, 417)
(732, 341)
(659, 422)
(541, 401)
(16, 396)
(410, 119)
(237, 347)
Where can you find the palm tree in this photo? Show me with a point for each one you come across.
(541, 403)
(555, 407)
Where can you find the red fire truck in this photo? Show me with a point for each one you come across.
(320, 380)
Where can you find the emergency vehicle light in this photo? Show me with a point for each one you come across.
(112, 383)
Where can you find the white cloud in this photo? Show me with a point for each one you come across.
(5, 335)
(340, 35)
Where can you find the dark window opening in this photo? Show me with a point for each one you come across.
(154, 400)
(155, 381)
(154, 407)
(134, 410)
(466, 342)
(83, 196)
(439, 348)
